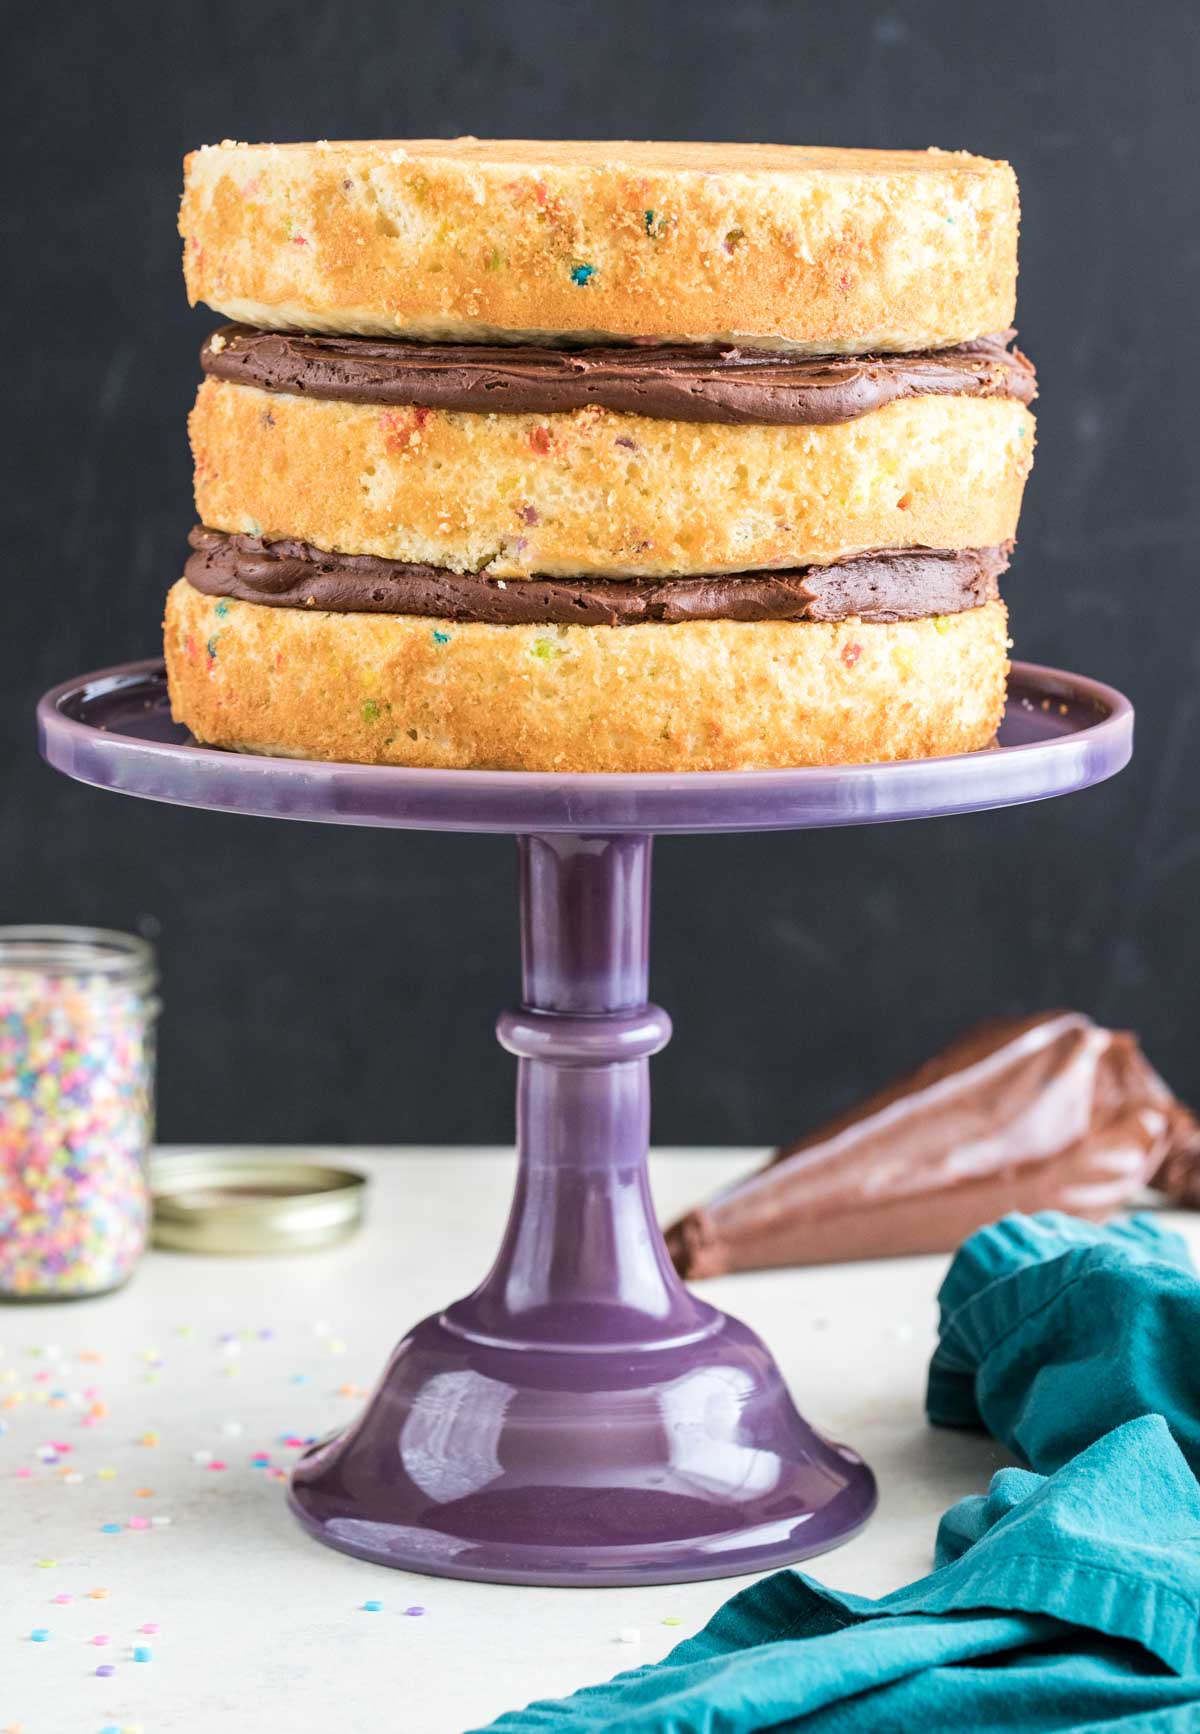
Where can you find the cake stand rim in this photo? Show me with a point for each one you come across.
(519, 802)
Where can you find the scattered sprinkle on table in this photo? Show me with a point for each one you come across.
(39, 1635)
(414, 1612)
(150, 1627)
(629, 1635)
(98, 1595)
(142, 1653)
(372, 1607)
(672, 1620)
(106, 1670)
(110, 1529)
(64, 1600)
(101, 1639)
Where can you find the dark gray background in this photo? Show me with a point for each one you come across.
(341, 984)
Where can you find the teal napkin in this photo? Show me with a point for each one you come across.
(1054, 1331)
(1068, 1600)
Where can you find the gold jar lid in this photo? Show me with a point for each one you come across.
(252, 1202)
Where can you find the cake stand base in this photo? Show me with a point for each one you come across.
(582, 1418)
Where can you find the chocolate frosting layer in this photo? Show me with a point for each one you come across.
(892, 584)
(672, 382)
(1050, 1112)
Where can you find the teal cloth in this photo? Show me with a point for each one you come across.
(1068, 1600)
(1054, 1331)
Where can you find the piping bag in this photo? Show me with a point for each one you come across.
(1050, 1112)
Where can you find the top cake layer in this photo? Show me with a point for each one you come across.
(461, 240)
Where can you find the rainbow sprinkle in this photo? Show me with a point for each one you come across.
(75, 1075)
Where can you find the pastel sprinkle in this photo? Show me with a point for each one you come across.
(160, 1521)
(101, 1639)
(39, 1635)
(672, 1620)
(139, 1523)
(110, 1529)
(372, 1607)
(580, 274)
(415, 1612)
(629, 1635)
(232, 1429)
(144, 1493)
(63, 1600)
(148, 1439)
(217, 1464)
(204, 1458)
(440, 637)
(142, 1653)
(98, 1595)
(106, 1670)
(151, 1626)
(46, 1564)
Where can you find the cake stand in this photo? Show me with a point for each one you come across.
(582, 1417)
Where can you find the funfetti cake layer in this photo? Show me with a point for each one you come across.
(699, 695)
(772, 245)
(603, 492)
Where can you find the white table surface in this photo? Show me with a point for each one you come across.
(261, 1628)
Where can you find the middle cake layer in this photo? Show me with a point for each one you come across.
(607, 492)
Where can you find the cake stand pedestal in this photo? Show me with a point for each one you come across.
(582, 1417)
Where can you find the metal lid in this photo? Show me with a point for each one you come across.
(252, 1202)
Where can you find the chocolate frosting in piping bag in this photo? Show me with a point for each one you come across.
(1050, 1112)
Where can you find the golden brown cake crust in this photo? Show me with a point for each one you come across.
(598, 491)
(831, 250)
(706, 695)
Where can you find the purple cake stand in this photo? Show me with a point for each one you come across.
(582, 1417)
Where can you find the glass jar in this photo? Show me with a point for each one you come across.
(77, 1011)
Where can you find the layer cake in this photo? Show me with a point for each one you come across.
(675, 496)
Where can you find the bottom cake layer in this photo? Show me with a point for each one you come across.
(701, 695)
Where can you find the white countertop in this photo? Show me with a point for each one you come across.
(261, 1628)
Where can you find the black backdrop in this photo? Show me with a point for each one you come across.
(341, 984)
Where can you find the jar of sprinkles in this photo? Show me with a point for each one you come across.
(77, 1011)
